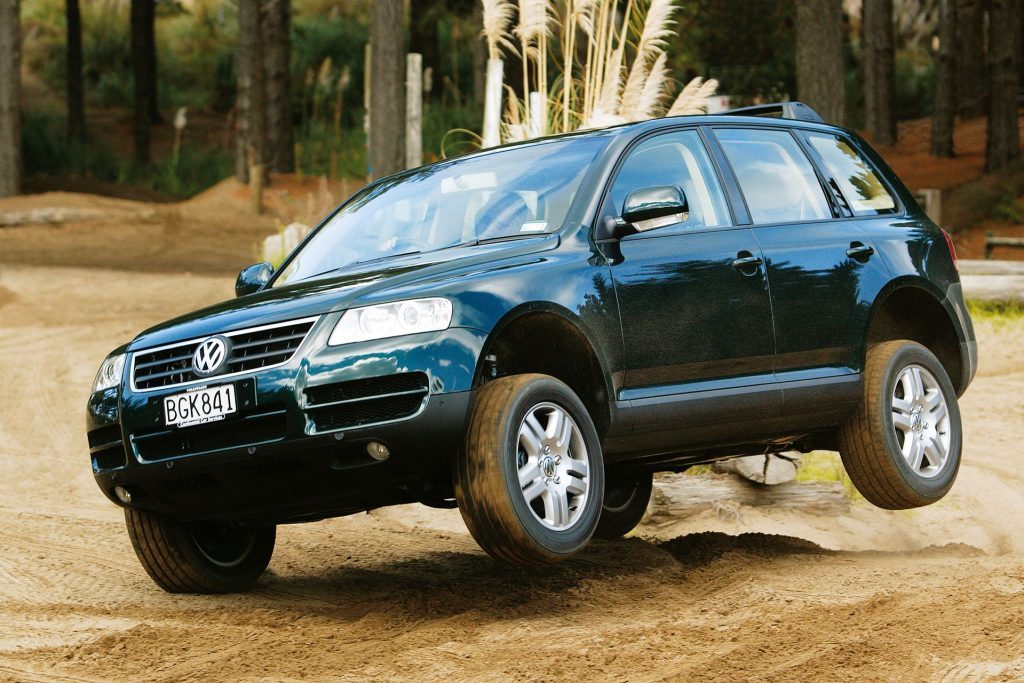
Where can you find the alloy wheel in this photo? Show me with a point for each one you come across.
(554, 466)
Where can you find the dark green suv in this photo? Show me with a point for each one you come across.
(530, 332)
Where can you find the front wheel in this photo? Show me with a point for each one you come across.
(199, 557)
(530, 480)
(902, 448)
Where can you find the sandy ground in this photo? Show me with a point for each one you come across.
(405, 594)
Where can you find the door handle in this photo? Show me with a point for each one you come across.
(859, 250)
(745, 259)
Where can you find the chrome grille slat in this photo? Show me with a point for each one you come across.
(160, 375)
(257, 356)
(277, 340)
(165, 361)
(252, 349)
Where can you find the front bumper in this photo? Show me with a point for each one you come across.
(278, 459)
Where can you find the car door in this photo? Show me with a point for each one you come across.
(821, 267)
(693, 296)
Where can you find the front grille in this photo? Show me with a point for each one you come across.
(366, 401)
(250, 350)
(252, 430)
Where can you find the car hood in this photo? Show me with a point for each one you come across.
(330, 293)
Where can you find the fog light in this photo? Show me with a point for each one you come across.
(123, 495)
(378, 451)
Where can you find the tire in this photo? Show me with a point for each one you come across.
(873, 442)
(625, 502)
(199, 557)
(553, 514)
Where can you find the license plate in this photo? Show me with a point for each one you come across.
(200, 406)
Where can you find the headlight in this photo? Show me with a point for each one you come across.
(110, 373)
(392, 320)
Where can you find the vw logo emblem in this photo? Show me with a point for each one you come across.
(211, 355)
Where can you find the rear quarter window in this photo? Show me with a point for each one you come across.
(857, 180)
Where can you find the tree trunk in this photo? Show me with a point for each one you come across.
(142, 17)
(10, 98)
(75, 95)
(1002, 142)
(277, 56)
(387, 93)
(820, 74)
(478, 51)
(879, 68)
(970, 57)
(945, 82)
(154, 102)
(252, 102)
(425, 17)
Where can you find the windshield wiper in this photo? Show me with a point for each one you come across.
(355, 263)
(504, 238)
(381, 258)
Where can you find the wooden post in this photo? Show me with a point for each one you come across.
(256, 186)
(413, 110)
(10, 98)
(492, 103)
(367, 84)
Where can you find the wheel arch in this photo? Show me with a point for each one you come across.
(912, 310)
(549, 339)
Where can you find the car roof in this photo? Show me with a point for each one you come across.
(780, 114)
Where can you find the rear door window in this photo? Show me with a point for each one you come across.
(860, 185)
(777, 179)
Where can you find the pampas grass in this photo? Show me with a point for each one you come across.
(693, 98)
(497, 19)
(609, 59)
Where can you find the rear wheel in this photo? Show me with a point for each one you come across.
(530, 480)
(626, 497)
(199, 557)
(902, 448)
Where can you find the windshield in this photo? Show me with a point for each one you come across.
(518, 192)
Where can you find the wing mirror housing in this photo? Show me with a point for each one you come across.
(646, 209)
(253, 279)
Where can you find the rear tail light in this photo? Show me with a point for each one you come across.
(952, 249)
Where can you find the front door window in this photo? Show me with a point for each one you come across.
(680, 160)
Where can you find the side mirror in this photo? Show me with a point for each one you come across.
(654, 207)
(253, 279)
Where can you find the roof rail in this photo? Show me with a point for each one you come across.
(781, 110)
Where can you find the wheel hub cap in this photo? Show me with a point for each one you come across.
(547, 466)
(554, 466)
(920, 419)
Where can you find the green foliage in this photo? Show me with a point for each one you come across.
(195, 55)
(826, 466)
(322, 150)
(1008, 206)
(748, 46)
(328, 88)
(438, 120)
(915, 84)
(996, 311)
(46, 151)
(192, 172)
